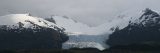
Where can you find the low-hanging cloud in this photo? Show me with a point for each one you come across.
(92, 12)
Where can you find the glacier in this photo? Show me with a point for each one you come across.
(83, 36)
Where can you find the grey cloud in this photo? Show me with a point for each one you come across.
(86, 11)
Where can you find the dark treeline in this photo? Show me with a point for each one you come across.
(31, 38)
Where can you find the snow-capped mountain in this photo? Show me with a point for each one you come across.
(75, 27)
(26, 20)
(125, 29)
(144, 28)
(22, 31)
(148, 18)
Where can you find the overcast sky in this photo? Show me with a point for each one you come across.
(93, 12)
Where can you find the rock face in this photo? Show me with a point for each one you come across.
(145, 29)
(30, 34)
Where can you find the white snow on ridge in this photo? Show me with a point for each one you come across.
(14, 19)
(70, 25)
(121, 21)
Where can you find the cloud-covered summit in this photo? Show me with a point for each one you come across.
(81, 10)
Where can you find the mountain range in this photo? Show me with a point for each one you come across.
(21, 31)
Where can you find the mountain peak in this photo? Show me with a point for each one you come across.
(148, 11)
(148, 18)
(144, 28)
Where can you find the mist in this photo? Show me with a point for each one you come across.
(91, 12)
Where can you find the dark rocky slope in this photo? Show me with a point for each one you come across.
(144, 30)
(27, 38)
